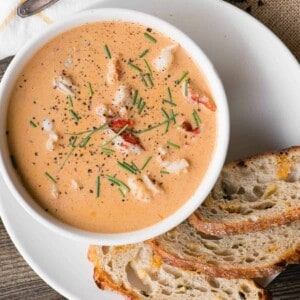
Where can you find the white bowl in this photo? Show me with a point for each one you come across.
(30, 205)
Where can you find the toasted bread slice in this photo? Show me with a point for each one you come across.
(247, 255)
(136, 273)
(252, 195)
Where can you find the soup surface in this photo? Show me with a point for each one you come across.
(111, 127)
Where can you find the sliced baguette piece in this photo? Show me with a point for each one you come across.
(247, 255)
(136, 273)
(252, 195)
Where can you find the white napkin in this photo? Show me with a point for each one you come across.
(15, 31)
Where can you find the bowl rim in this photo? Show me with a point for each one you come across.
(211, 175)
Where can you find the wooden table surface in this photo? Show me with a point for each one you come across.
(17, 279)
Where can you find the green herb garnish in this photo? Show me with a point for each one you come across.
(164, 172)
(164, 113)
(183, 76)
(107, 51)
(139, 102)
(98, 187)
(148, 76)
(170, 94)
(131, 169)
(74, 116)
(67, 157)
(115, 136)
(146, 162)
(148, 66)
(50, 177)
(196, 118)
(168, 119)
(102, 127)
(143, 80)
(150, 37)
(70, 102)
(173, 145)
(135, 95)
(91, 92)
(144, 53)
(118, 182)
(173, 116)
(186, 84)
(169, 102)
(74, 141)
(84, 141)
(134, 67)
(108, 151)
(32, 124)
(121, 192)
(135, 167)
(141, 108)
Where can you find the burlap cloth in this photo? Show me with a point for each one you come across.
(281, 16)
(18, 281)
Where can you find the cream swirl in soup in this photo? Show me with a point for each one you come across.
(111, 126)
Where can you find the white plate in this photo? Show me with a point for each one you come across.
(262, 80)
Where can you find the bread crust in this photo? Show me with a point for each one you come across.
(229, 272)
(103, 279)
(226, 228)
(222, 228)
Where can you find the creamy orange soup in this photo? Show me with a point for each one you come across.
(111, 127)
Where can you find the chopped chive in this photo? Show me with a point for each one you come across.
(135, 167)
(165, 114)
(170, 94)
(121, 192)
(74, 141)
(151, 127)
(182, 77)
(186, 84)
(13, 161)
(167, 127)
(117, 182)
(173, 145)
(85, 141)
(141, 108)
(126, 167)
(32, 124)
(164, 172)
(107, 51)
(107, 151)
(73, 114)
(50, 177)
(91, 92)
(173, 116)
(146, 162)
(139, 102)
(169, 102)
(115, 136)
(70, 102)
(150, 37)
(102, 127)
(144, 53)
(134, 67)
(148, 76)
(148, 66)
(143, 80)
(196, 118)
(67, 157)
(135, 95)
(98, 186)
